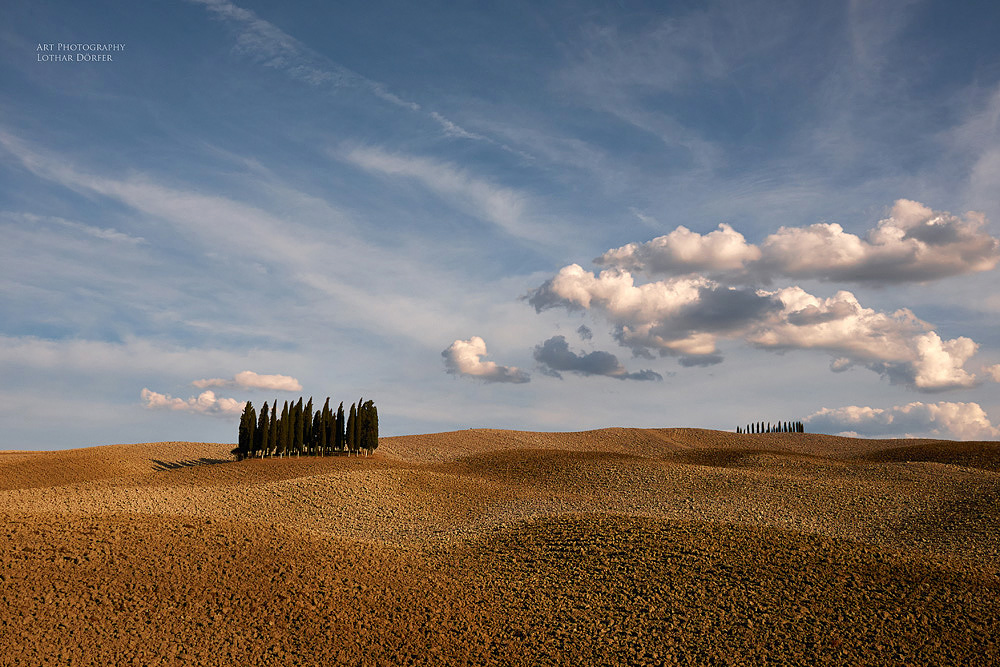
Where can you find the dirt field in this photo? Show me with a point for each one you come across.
(618, 546)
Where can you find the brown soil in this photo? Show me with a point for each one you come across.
(619, 546)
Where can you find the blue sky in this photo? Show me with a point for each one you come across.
(553, 217)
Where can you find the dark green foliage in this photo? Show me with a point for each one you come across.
(284, 433)
(272, 443)
(352, 430)
(316, 434)
(301, 429)
(307, 438)
(368, 427)
(263, 434)
(248, 424)
(777, 427)
(339, 427)
(326, 428)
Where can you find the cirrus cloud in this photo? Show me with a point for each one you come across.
(465, 357)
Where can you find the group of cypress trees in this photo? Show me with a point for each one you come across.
(299, 430)
(768, 427)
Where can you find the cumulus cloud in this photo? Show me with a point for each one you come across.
(914, 244)
(993, 372)
(897, 345)
(205, 403)
(465, 357)
(961, 421)
(687, 316)
(251, 380)
(554, 355)
(683, 251)
(585, 333)
(681, 316)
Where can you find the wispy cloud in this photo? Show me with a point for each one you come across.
(101, 233)
(963, 421)
(465, 357)
(272, 47)
(251, 380)
(265, 43)
(501, 206)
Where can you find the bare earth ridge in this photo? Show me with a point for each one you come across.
(616, 546)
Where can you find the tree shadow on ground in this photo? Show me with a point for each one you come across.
(160, 466)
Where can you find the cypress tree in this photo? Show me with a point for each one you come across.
(333, 443)
(352, 431)
(317, 434)
(291, 429)
(272, 443)
(241, 435)
(329, 425)
(248, 420)
(368, 418)
(339, 426)
(300, 431)
(357, 427)
(262, 435)
(307, 426)
(284, 433)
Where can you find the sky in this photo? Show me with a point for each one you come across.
(540, 216)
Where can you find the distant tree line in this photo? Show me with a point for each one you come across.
(301, 431)
(768, 427)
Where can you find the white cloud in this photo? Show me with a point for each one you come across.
(465, 357)
(993, 372)
(914, 244)
(683, 251)
(962, 421)
(453, 130)
(205, 403)
(687, 316)
(684, 316)
(251, 380)
(279, 241)
(897, 345)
